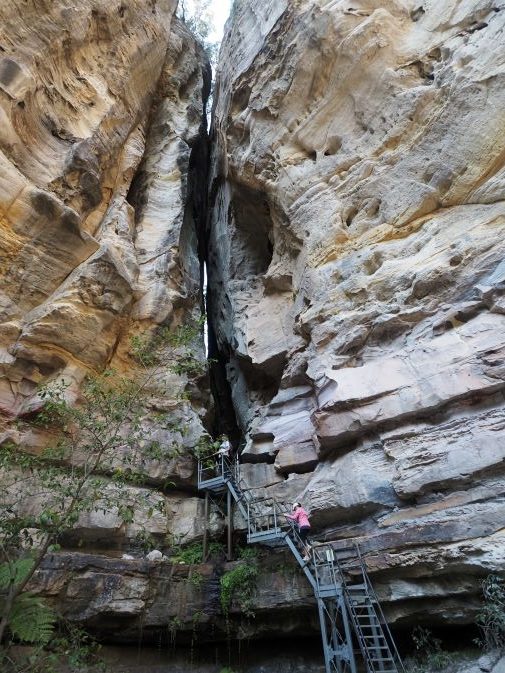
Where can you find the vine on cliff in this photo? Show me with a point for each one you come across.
(239, 583)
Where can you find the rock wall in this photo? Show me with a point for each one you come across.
(356, 283)
(102, 132)
(126, 600)
(356, 273)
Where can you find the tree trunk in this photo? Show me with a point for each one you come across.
(6, 612)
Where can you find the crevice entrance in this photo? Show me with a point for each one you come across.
(224, 420)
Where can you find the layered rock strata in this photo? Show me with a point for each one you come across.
(125, 600)
(102, 125)
(357, 281)
(356, 278)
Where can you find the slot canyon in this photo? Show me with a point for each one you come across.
(336, 234)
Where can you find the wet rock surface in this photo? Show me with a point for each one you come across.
(121, 598)
(304, 658)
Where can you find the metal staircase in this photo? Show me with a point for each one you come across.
(345, 597)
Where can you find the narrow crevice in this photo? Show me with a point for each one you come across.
(224, 420)
(198, 177)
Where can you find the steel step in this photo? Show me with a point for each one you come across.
(359, 599)
(271, 534)
(328, 593)
(366, 621)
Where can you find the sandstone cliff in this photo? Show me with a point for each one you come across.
(102, 131)
(356, 270)
(355, 258)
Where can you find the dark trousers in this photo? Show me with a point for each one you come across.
(304, 534)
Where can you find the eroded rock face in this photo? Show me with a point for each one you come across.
(127, 597)
(357, 277)
(101, 124)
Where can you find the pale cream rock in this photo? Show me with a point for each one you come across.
(350, 487)
(101, 107)
(357, 178)
(259, 475)
(431, 458)
(186, 521)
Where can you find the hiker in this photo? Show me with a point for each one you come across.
(224, 449)
(301, 518)
(223, 456)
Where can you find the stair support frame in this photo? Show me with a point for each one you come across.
(334, 598)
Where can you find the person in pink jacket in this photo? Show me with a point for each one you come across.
(301, 518)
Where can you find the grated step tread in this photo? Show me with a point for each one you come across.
(360, 604)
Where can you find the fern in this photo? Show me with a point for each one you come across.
(14, 572)
(31, 620)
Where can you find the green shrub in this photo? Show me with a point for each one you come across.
(70, 649)
(216, 549)
(196, 579)
(491, 618)
(247, 553)
(191, 555)
(240, 584)
(429, 655)
(31, 620)
(147, 349)
(205, 449)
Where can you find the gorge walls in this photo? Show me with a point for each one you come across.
(356, 275)
(354, 243)
(102, 143)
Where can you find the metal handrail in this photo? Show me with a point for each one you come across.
(212, 468)
(203, 469)
(264, 514)
(326, 567)
(326, 571)
(378, 607)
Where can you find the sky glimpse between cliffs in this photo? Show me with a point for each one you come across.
(221, 11)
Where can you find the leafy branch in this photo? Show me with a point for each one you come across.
(100, 448)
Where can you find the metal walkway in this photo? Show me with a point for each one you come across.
(345, 597)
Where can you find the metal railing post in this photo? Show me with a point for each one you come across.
(206, 528)
(229, 508)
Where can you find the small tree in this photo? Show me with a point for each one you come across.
(197, 14)
(95, 456)
(429, 655)
(198, 17)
